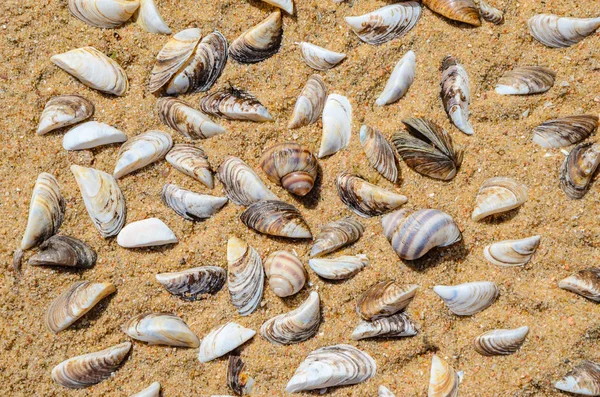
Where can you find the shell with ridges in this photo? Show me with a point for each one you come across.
(241, 183)
(103, 13)
(387, 23)
(364, 198)
(64, 251)
(456, 94)
(192, 161)
(526, 80)
(276, 218)
(465, 11)
(146, 233)
(320, 58)
(386, 327)
(556, 32)
(237, 379)
(384, 299)
(337, 125)
(400, 80)
(285, 273)
(336, 235)
(564, 131)
(189, 205)
(64, 110)
(151, 391)
(259, 42)
(90, 135)
(498, 195)
(191, 123)
(193, 284)
(512, 252)
(500, 341)
(468, 298)
(149, 19)
(310, 103)
(296, 326)
(142, 150)
(160, 329)
(234, 104)
(246, 277)
(585, 283)
(222, 340)
(578, 169)
(443, 380)
(583, 379)
(292, 166)
(490, 14)
(379, 152)
(339, 268)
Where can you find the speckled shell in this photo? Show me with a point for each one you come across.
(400, 80)
(578, 169)
(234, 104)
(285, 272)
(526, 80)
(192, 161)
(237, 379)
(468, 298)
(339, 268)
(458, 10)
(337, 125)
(583, 379)
(64, 251)
(193, 284)
(364, 198)
(510, 253)
(320, 58)
(556, 32)
(103, 13)
(142, 150)
(259, 42)
(241, 184)
(384, 299)
(62, 111)
(379, 152)
(189, 205)
(564, 131)
(191, 123)
(443, 380)
(394, 326)
(246, 277)
(310, 103)
(276, 218)
(490, 14)
(221, 340)
(146, 233)
(585, 283)
(387, 23)
(151, 391)
(160, 329)
(148, 18)
(456, 94)
(336, 235)
(292, 166)
(384, 392)
(498, 195)
(500, 341)
(92, 134)
(296, 326)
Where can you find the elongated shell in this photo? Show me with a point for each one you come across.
(339, 268)
(246, 276)
(490, 14)
(379, 152)
(320, 58)
(556, 32)
(512, 252)
(194, 284)
(191, 123)
(387, 23)
(384, 392)
(336, 235)
(400, 80)
(64, 251)
(148, 18)
(234, 104)
(364, 198)
(458, 10)
(310, 103)
(151, 391)
(102, 198)
(456, 94)
(526, 80)
(94, 69)
(142, 150)
(222, 340)
(578, 169)
(286, 5)
(259, 42)
(583, 379)
(443, 380)
(189, 205)
(146, 233)
(88, 369)
(276, 218)
(331, 366)
(237, 379)
(386, 327)
(498, 195)
(192, 161)
(585, 283)
(468, 298)
(384, 299)
(292, 166)
(241, 184)
(161, 329)
(103, 13)
(285, 273)
(564, 131)
(500, 341)
(337, 125)
(64, 110)
(92, 134)
(296, 326)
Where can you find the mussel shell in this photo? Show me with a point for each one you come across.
(387, 23)
(148, 18)
(234, 104)
(189, 205)
(296, 326)
(237, 380)
(194, 284)
(512, 252)
(490, 14)
(384, 392)
(285, 272)
(221, 340)
(585, 283)
(379, 152)
(386, 327)
(498, 195)
(337, 125)
(320, 58)
(384, 299)
(564, 131)
(245, 278)
(191, 123)
(399, 81)
(583, 379)
(292, 166)
(336, 235)
(151, 391)
(526, 80)
(103, 13)
(286, 5)
(364, 198)
(456, 94)
(64, 251)
(92, 134)
(160, 329)
(556, 32)
(142, 150)
(259, 42)
(241, 183)
(310, 103)
(465, 11)
(468, 298)
(64, 110)
(578, 169)
(149, 232)
(276, 218)
(500, 341)
(443, 381)
(192, 161)
(339, 268)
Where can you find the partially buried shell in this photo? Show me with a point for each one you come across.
(526, 80)
(498, 195)
(189, 205)
(64, 251)
(364, 198)
(310, 103)
(241, 184)
(490, 14)
(339, 268)
(222, 340)
(512, 252)
(88, 369)
(92, 134)
(191, 123)
(194, 284)
(337, 125)
(292, 166)
(320, 58)
(285, 272)
(148, 18)
(384, 392)
(556, 32)
(276, 218)
(500, 341)
(468, 298)
(296, 326)
(384, 299)
(161, 329)
(379, 152)
(246, 277)
(564, 131)
(192, 161)
(142, 150)
(400, 80)
(286, 5)
(465, 11)
(151, 391)
(585, 283)
(336, 235)
(394, 326)
(237, 379)
(443, 380)
(387, 23)
(64, 110)
(456, 94)
(259, 42)
(103, 13)
(146, 233)
(578, 169)
(234, 104)
(583, 379)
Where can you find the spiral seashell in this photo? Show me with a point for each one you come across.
(337, 125)
(103, 13)
(222, 340)
(379, 152)
(146, 233)
(456, 94)
(400, 80)
(191, 123)
(246, 276)
(64, 110)
(490, 14)
(386, 327)
(102, 198)
(237, 379)
(296, 326)
(142, 150)
(336, 235)
(500, 341)
(64, 251)
(512, 252)
(443, 381)
(286, 5)
(285, 273)
(498, 195)
(94, 69)
(310, 103)
(339, 268)
(468, 298)
(387, 23)
(585, 283)
(583, 379)
(384, 392)
(192, 161)
(457, 10)
(241, 184)
(330, 366)
(292, 166)
(92, 134)
(193, 284)
(428, 149)
(234, 104)
(276, 218)
(189, 205)
(364, 198)
(259, 42)
(556, 32)
(578, 169)
(564, 131)
(526, 80)
(151, 391)
(384, 299)
(88, 369)
(320, 58)
(160, 329)
(149, 19)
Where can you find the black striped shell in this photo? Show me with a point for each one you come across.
(296, 326)
(241, 183)
(583, 379)
(379, 152)
(237, 379)
(386, 327)
(259, 42)
(292, 166)
(245, 276)
(192, 161)
(526, 80)
(64, 251)
(234, 104)
(586, 283)
(194, 284)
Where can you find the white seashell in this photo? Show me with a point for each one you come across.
(151, 391)
(160, 329)
(64, 110)
(468, 298)
(222, 340)
(246, 277)
(285, 273)
(386, 327)
(285, 5)
(147, 233)
(443, 381)
(189, 205)
(320, 58)
(556, 32)
(142, 150)
(384, 392)
(339, 268)
(456, 94)
(310, 103)
(498, 195)
(585, 282)
(241, 183)
(149, 19)
(583, 379)
(526, 80)
(103, 13)
(512, 252)
(337, 125)
(259, 42)
(191, 123)
(400, 80)
(296, 326)
(500, 341)
(192, 161)
(92, 134)
(387, 23)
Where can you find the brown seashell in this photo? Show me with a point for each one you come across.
(259, 42)
(292, 166)
(586, 283)
(194, 284)
(191, 123)
(364, 198)
(241, 183)
(310, 103)
(564, 131)
(458, 10)
(384, 299)
(336, 235)
(386, 327)
(237, 379)
(583, 379)
(379, 153)
(490, 14)
(64, 251)
(526, 80)
(498, 195)
(285, 273)
(578, 169)
(245, 278)
(456, 94)
(62, 111)
(192, 161)
(276, 218)
(234, 104)
(386, 23)
(296, 326)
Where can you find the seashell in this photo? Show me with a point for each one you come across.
(285, 5)
(564, 131)
(457, 10)
(583, 379)
(330, 366)
(192, 161)
(46, 214)
(339, 268)
(102, 198)
(292, 166)
(556, 32)
(310, 103)
(222, 340)
(94, 69)
(510, 253)
(320, 58)
(428, 149)
(384, 299)
(276, 218)
(142, 150)
(386, 327)
(64, 251)
(364, 198)
(154, 389)
(296, 326)
(337, 125)
(456, 94)
(189, 205)
(336, 235)
(64, 110)
(149, 19)
(146, 233)
(578, 169)
(191, 123)
(490, 14)
(585, 283)
(74, 303)
(245, 278)
(443, 381)
(526, 80)
(285, 273)
(379, 153)
(384, 392)
(160, 329)
(193, 284)
(234, 104)
(103, 13)
(498, 195)
(500, 341)
(238, 380)
(400, 80)
(387, 23)
(468, 298)
(241, 184)
(92, 134)
(259, 42)
(88, 369)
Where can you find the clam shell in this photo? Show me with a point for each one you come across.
(142, 150)
(379, 152)
(292, 166)
(286, 5)
(148, 18)
(146, 233)
(103, 13)
(339, 268)
(512, 252)
(490, 14)
(246, 277)
(189, 205)
(310, 103)
(456, 94)
(151, 391)
(578, 169)
(296, 326)
(285, 273)
(498, 195)
(500, 341)
(564, 131)
(193, 284)
(468, 298)
(526, 80)
(94, 69)
(238, 380)
(160, 329)
(336, 235)
(585, 283)
(191, 123)
(64, 251)
(583, 379)
(330, 366)
(556, 32)
(74, 303)
(276, 218)
(222, 340)
(92, 134)
(386, 327)
(241, 184)
(259, 42)
(337, 125)
(400, 80)
(192, 161)
(387, 23)
(384, 392)
(384, 299)
(62, 111)
(364, 198)
(458, 10)
(234, 104)
(320, 58)
(443, 381)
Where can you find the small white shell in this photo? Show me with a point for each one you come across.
(245, 276)
(500, 341)
(142, 150)
(443, 381)
(285, 273)
(320, 58)
(512, 252)
(468, 298)
(222, 340)
(387, 23)
(337, 125)
(400, 80)
(64, 110)
(189, 205)
(149, 19)
(160, 329)
(338, 268)
(103, 13)
(498, 195)
(147, 233)
(384, 392)
(151, 391)
(556, 32)
(296, 326)
(310, 103)
(241, 183)
(583, 379)
(92, 134)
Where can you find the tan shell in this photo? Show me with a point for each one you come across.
(64, 110)
(384, 299)
(583, 379)
(578, 169)
(142, 150)
(237, 379)
(192, 161)
(160, 329)
(526, 80)
(512, 252)
(500, 342)
(379, 152)
(259, 42)
(292, 166)
(64, 251)
(458, 10)
(296, 326)
(336, 235)
(194, 284)
(386, 23)
(234, 104)
(191, 123)
(276, 218)
(364, 198)
(564, 131)
(397, 325)
(443, 381)
(586, 283)
(490, 14)
(498, 195)
(285, 272)
(246, 276)
(310, 103)
(103, 13)
(241, 183)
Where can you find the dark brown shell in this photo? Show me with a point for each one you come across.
(379, 152)
(564, 131)
(64, 251)
(194, 284)
(259, 42)
(234, 104)
(292, 166)
(578, 169)
(237, 379)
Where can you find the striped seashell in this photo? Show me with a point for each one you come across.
(364, 198)
(384, 299)
(468, 298)
(296, 326)
(500, 341)
(64, 251)
(90, 135)
(103, 13)
(246, 276)
(443, 381)
(510, 253)
(387, 23)
(292, 166)
(154, 389)
(384, 392)
(400, 80)
(490, 14)
(498, 195)
(557, 32)
(526, 80)
(148, 18)
(192, 161)
(234, 104)
(456, 94)
(394, 326)
(189, 205)
(276, 218)
(193, 284)
(237, 379)
(379, 152)
(142, 150)
(285, 5)
(336, 235)
(64, 110)
(320, 58)
(337, 125)
(222, 340)
(583, 379)
(457, 10)
(285, 273)
(160, 329)
(241, 184)
(259, 42)
(310, 103)
(146, 233)
(564, 131)
(586, 283)
(339, 268)
(578, 169)
(191, 123)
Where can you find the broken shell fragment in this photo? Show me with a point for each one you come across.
(336, 235)
(585, 283)
(468, 298)
(384, 299)
(103, 13)
(337, 125)
(149, 19)
(556, 32)
(259, 42)
(142, 150)
(64, 251)
(234, 104)
(146, 233)
(498, 195)
(192, 161)
(457, 10)
(578, 169)
(191, 123)
(151, 391)
(583, 379)
(62, 111)
(189, 205)
(285, 273)
(490, 14)
(379, 152)
(394, 326)
(285, 5)
(160, 329)
(339, 268)
(292, 166)
(193, 284)
(92, 134)
(526, 80)
(310, 103)
(296, 326)
(564, 131)
(241, 183)
(443, 381)
(500, 341)
(512, 252)
(364, 198)
(237, 379)
(246, 276)
(222, 340)
(400, 80)
(456, 94)
(276, 218)
(387, 23)
(320, 58)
